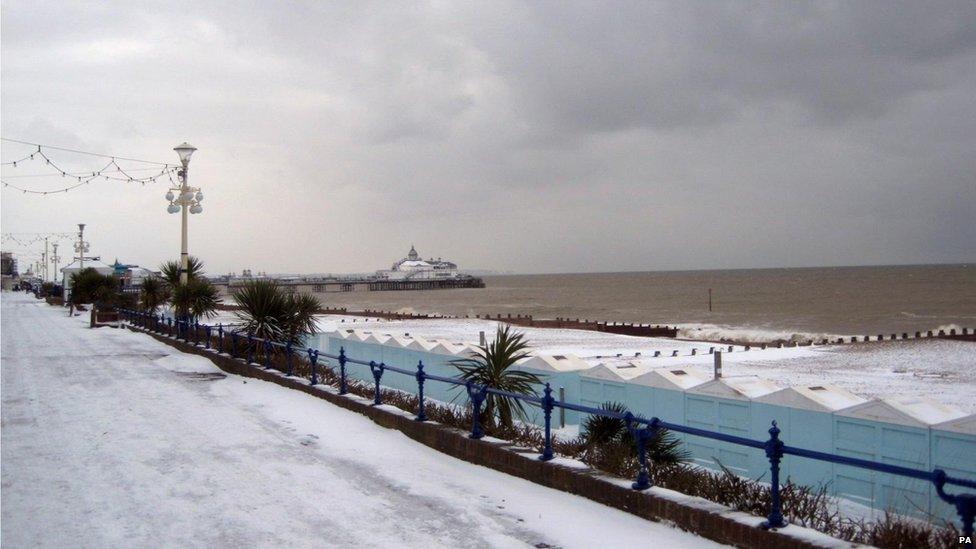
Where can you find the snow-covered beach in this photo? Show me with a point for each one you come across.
(112, 439)
(938, 369)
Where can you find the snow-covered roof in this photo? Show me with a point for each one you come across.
(604, 372)
(911, 411)
(398, 341)
(675, 379)
(379, 339)
(444, 347)
(965, 425)
(740, 388)
(554, 363)
(822, 398)
(421, 344)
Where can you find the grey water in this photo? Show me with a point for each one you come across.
(827, 300)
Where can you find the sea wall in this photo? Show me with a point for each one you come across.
(914, 433)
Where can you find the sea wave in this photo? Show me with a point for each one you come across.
(748, 334)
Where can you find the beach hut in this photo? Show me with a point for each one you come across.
(562, 374)
(889, 430)
(954, 451)
(660, 392)
(724, 405)
(804, 415)
(600, 384)
(421, 345)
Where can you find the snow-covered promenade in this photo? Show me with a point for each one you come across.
(112, 439)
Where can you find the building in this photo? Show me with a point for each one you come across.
(413, 267)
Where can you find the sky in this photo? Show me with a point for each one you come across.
(513, 136)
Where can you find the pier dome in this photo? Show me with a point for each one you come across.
(413, 265)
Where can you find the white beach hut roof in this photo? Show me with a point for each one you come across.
(421, 344)
(740, 388)
(555, 363)
(911, 411)
(379, 339)
(821, 398)
(965, 425)
(674, 378)
(398, 341)
(445, 347)
(601, 371)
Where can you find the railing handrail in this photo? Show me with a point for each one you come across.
(774, 448)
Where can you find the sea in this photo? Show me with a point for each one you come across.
(788, 303)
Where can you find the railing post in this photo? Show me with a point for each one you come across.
(547, 402)
(342, 371)
(233, 344)
(206, 332)
(477, 396)
(267, 354)
(169, 327)
(196, 333)
(377, 370)
(641, 436)
(288, 368)
(774, 451)
(220, 338)
(965, 504)
(421, 416)
(250, 348)
(313, 358)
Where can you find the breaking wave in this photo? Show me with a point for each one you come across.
(746, 334)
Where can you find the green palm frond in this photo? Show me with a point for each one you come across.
(198, 298)
(492, 365)
(267, 312)
(171, 270)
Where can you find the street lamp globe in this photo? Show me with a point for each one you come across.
(199, 196)
(185, 150)
(170, 196)
(173, 208)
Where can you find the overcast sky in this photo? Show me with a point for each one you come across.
(529, 137)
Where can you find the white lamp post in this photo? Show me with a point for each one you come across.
(187, 200)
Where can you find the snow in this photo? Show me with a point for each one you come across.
(940, 370)
(113, 439)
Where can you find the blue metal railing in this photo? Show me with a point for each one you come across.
(641, 429)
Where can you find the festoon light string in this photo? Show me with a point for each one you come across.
(83, 178)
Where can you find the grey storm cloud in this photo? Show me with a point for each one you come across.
(525, 136)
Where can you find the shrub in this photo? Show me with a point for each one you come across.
(492, 366)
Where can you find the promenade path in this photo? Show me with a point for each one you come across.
(112, 439)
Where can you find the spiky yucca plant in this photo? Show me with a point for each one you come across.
(198, 298)
(601, 431)
(171, 270)
(492, 366)
(153, 294)
(267, 312)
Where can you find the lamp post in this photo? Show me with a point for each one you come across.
(81, 246)
(188, 201)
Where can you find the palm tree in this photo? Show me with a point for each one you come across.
(153, 294)
(663, 449)
(90, 286)
(301, 317)
(262, 308)
(171, 270)
(492, 366)
(198, 298)
(267, 312)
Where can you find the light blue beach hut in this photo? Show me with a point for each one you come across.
(890, 430)
(804, 415)
(724, 405)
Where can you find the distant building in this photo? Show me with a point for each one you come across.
(413, 267)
